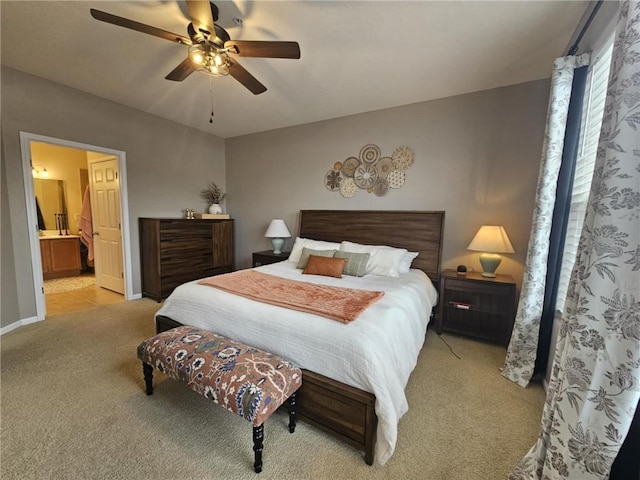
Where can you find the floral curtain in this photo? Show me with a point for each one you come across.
(521, 354)
(595, 380)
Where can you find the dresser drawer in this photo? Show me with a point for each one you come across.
(171, 282)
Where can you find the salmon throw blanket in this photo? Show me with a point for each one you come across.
(341, 304)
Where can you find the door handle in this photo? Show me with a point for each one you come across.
(95, 234)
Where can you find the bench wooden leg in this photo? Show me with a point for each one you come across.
(147, 370)
(292, 412)
(258, 436)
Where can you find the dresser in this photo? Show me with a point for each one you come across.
(175, 250)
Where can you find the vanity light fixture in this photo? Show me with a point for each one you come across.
(38, 171)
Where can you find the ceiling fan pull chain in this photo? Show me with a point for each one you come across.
(211, 92)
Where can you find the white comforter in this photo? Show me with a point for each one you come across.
(377, 352)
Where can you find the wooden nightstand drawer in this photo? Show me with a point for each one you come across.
(491, 300)
(476, 324)
(477, 306)
(267, 257)
(474, 287)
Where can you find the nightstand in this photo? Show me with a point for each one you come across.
(267, 257)
(477, 306)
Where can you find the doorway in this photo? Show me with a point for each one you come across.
(79, 299)
(70, 164)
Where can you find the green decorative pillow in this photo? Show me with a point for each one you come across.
(304, 256)
(356, 262)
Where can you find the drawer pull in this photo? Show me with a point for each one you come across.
(461, 305)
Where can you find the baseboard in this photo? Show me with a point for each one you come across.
(135, 296)
(19, 323)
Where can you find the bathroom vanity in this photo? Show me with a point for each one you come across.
(60, 256)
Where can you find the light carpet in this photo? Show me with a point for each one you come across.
(66, 284)
(74, 407)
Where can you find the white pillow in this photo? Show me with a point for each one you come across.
(383, 260)
(405, 263)
(300, 243)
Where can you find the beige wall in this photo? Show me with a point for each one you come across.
(167, 166)
(477, 158)
(8, 289)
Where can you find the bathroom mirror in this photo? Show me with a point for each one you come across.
(51, 199)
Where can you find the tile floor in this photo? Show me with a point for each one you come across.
(81, 299)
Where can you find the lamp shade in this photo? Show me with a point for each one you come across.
(277, 232)
(277, 229)
(491, 240)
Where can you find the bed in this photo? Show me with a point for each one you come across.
(362, 409)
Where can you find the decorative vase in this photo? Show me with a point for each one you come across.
(215, 208)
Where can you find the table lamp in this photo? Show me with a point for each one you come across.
(491, 240)
(277, 232)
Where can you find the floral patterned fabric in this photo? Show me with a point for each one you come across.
(521, 354)
(595, 380)
(244, 380)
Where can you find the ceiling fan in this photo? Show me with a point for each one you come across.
(211, 49)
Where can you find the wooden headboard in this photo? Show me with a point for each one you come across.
(417, 231)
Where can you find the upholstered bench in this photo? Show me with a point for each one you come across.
(245, 380)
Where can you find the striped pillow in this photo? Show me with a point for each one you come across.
(306, 252)
(356, 262)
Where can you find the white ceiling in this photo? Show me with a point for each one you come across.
(356, 56)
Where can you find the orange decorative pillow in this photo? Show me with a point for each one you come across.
(327, 266)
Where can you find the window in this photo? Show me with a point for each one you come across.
(593, 109)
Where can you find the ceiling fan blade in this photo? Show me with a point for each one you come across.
(182, 71)
(238, 72)
(247, 48)
(201, 17)
(138, 27)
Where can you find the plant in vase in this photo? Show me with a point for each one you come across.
(214, 195)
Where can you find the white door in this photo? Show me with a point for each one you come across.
(104, 185)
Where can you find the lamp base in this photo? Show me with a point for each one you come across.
(277, 244)
(489, 262)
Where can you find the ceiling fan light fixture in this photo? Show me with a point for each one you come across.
(196, 55)
(219, 70)
(208, 60)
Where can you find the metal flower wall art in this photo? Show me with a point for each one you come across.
(370, 171)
